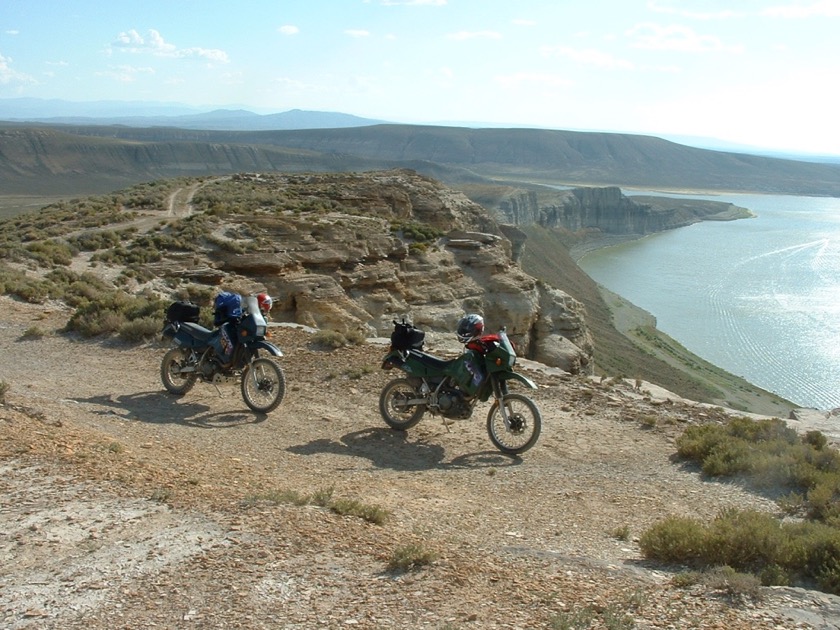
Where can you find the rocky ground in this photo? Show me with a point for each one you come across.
(125, 507)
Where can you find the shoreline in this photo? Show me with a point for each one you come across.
(640, 327)
(591, 244)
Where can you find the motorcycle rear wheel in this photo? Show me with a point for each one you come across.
(525, 421)
(263, 385)
(395, 412)
(175, 381)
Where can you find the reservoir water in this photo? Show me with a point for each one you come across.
(757, 297)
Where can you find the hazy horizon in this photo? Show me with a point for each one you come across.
(20, 109)
(757, 74)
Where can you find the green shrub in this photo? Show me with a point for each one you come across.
(352, 507)
(411, 556)
(33, 332)
(698, 441)
(621, 533)
(140, 329)
(728, 458)
(323, 498)
(745, 540)
(329, 339)
(821, 557)
(32, 290)
(732, 582)
(51, 252)
(823, 499)
(771, 455)
(675, 539)
(110, 312)
(816, 439)
(750, 542)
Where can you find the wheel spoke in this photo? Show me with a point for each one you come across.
(514, 425)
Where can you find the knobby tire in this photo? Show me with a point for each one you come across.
(526, 424)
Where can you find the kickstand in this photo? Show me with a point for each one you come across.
(218, 389)
(447, 423)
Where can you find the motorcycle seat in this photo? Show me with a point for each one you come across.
(430, 360)
(197, 331)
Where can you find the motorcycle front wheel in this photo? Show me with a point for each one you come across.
(263, 385)
(175, 381)
(392, 405)
(525, 424)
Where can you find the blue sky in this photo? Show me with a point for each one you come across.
(763, 73)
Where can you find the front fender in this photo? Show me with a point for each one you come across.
(515, 376)
(268, 347)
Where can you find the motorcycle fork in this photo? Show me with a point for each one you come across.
(500, 390)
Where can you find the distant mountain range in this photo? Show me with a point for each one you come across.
(239, 118)
(140, 114)
(55, 155)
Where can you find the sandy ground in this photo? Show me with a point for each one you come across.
(125, 507)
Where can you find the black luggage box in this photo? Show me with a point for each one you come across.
(183, 312)
(407, 337)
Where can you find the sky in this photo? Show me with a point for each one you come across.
(756, 73)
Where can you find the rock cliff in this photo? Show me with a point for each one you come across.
(360, 250)
(608, 211)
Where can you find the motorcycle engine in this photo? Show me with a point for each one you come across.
(453, 404)
(208, 368)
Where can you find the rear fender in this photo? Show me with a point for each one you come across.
(394, 359)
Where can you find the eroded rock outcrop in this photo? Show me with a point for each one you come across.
(386, 245)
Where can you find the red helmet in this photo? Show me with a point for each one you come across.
(265, 302)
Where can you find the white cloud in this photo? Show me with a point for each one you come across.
(652, 36)
(9, 76)
(588, 56)
(465, 35)
(515, 81)
(407, 3)
(824, 8)
(357, 32)
(820, 8)
(133, 42)
(694, 15)
(288, 29)
(12, 32)
(125, 73)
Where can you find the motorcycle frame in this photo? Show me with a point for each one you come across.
(197, 340)
(495, 382)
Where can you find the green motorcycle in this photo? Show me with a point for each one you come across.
(451, 388)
